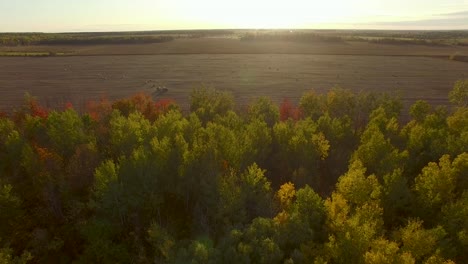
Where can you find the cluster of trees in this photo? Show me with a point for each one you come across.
(414, 37)
(97, 38)
(397, 41)
(336, 179)
(397, 37)
(414, 34)
(283, 35)
(26, 39)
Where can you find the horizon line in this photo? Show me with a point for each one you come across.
(232, 29)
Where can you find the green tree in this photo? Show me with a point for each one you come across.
(312, 105)
(437, 184)
(376, 150)
(264, 109)
(457, 139)
(128, 133)
(244, 197)
(66, 131)
(357, 188)
(197, 252)
(386, 252)
(459, 94)
(11, 214)
(421, 243)
(102, 243)
(354, 216)
(396, 198)
(162, 243)
(255, 141)
(426, 141)
(299, 150)
(455, 221)
(342, 140)
(352, 230)
(11, 147)
(419, 110)
(6, 257)
(303, 223)
(259, 242)
(208, 103)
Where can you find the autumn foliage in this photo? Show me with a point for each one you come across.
(36, 109)
(340, 178)
(98, 109)
(144, 104)
(289, 111)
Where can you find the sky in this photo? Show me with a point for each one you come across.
(128, 15)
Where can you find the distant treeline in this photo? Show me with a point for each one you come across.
(410, 37)
(396, 41)
(97, 38)
(432, 38)
(78, 39)
(429, 38)
(291, 36)
(412, 34)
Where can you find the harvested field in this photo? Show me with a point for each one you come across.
(80, 78)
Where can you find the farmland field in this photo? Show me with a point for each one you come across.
(249, 70)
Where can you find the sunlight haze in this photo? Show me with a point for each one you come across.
(116, 15)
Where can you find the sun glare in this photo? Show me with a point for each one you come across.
(267, 14)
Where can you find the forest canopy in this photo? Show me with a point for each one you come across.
(338, 178)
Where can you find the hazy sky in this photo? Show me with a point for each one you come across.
(111, 15)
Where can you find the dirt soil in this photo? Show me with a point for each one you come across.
(78, 79)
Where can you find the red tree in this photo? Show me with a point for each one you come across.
(289, 111)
